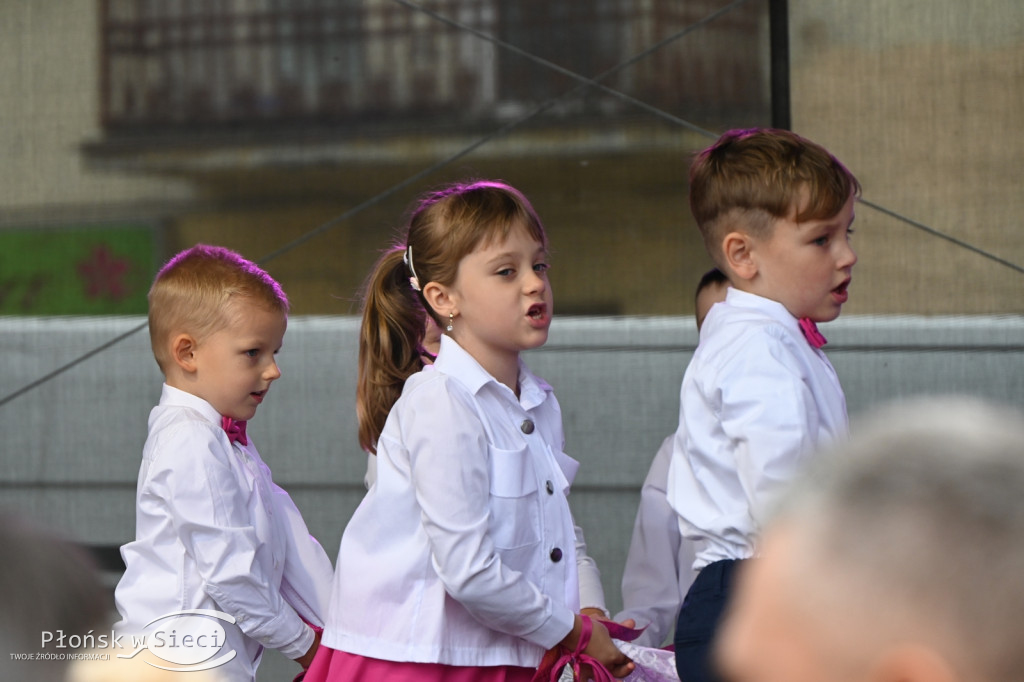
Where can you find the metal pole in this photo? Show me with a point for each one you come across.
(778, 28)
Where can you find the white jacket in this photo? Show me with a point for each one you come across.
(464, 551)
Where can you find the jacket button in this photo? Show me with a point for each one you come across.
(556, 555)
(526, 426)
(550, 487)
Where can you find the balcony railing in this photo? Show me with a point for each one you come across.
(182, 65)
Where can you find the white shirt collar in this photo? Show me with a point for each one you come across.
(175, 396)
(774, 309)
(453, 360)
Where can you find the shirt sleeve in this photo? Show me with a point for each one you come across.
(654, 575)
(209, 506)
(591, 590)
(449, 468)
(767, 411)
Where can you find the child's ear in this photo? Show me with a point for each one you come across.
(738, 250)
(183, 347)
(439, 297)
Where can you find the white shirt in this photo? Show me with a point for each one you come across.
(212, 531)
(464, 551)
(658, 569)
(756, 401)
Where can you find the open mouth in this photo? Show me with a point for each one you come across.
(537, 311)
(840, 293)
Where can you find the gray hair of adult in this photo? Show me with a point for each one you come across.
(913, 532)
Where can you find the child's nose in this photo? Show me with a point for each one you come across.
(273, 371)
(536, 282)
(848, 258)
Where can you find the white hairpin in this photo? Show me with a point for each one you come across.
(414, 281)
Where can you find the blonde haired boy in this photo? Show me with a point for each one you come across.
(759, 395)
(213, 531)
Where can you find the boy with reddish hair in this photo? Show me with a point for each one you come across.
(759, 395)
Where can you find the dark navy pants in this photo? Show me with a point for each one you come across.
(698, 621)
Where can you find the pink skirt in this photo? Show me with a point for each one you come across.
(331, 665)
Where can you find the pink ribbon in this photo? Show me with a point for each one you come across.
(811, 333)
(556, 659)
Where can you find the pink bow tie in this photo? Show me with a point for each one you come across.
(811, 332)
(235, 430)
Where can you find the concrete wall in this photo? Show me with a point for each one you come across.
(70, 450)
(71, 447)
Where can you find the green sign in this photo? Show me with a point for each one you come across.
(103, 270)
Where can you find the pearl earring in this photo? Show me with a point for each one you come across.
(451, 326)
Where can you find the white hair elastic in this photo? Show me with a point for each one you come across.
(414, 281)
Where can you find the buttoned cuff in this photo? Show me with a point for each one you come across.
(286, 632)
(300, 646)
(554, 630)
(599, 608)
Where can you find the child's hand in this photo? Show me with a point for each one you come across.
(307, 658)
(600, 647)
(598, 614)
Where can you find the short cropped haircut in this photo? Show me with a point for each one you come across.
(750, 177)
(916, 526)
(191, 292)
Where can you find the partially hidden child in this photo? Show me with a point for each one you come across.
(659, 564)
